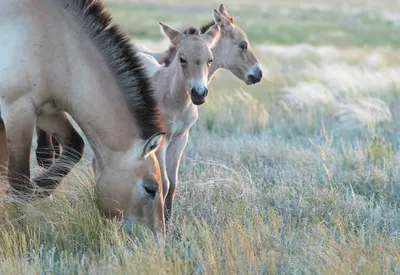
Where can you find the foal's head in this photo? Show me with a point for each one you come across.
(233, 49)
(194, 57)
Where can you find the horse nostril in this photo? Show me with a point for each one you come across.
(196, 93)
(261, 74)
(254, 79)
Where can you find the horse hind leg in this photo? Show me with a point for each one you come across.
(72, 150)
(44, 151)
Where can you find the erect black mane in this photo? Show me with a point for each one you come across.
(123, 61)
(206, 27)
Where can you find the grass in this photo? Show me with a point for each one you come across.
(276, 179)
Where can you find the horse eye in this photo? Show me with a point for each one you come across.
(210, 62)
(243, 45)
(151, 191)
(182, 60)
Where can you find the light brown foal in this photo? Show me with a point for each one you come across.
(180, 86)
(231, 51)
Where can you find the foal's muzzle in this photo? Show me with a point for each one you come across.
(254, 77)
(198, 97)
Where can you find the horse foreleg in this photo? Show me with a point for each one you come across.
(174, 154)
(161, 155)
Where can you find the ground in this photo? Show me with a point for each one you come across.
(298, 174)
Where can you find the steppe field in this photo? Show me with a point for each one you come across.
(298, 174)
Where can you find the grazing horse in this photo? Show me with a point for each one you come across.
(65, 56)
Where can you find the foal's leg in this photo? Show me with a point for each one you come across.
(174, 154)
(72, 144)
(44, 150)
(161, 155)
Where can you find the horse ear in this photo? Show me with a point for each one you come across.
(219, 18)
(153, 143)
(224, 12)
(174, 35)
(213, 34)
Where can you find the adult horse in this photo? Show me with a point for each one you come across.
(60, 56)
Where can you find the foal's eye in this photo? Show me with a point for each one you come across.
(151, 191)
(210, 62)
(243, 45)
(182, 60)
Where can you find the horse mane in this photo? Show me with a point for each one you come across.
(123, 62)
(171, 52)
(206, 27)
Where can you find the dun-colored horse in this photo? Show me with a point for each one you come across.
(64, 55)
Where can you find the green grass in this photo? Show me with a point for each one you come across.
(267, 185)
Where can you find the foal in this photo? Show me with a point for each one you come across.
(64, 55)
(232, 51)
(180, 86)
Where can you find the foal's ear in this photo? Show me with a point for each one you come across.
(153, 143)
(174, 35)
(219, 18)
(224, 12)
(212, 35)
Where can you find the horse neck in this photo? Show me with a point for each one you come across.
(218, 63)
(95, 100)
(171, 86)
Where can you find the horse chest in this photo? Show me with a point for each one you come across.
(181, 123)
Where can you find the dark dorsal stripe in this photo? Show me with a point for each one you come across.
(123, 61)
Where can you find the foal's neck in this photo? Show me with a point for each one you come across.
(217, 64)
(171, 83)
